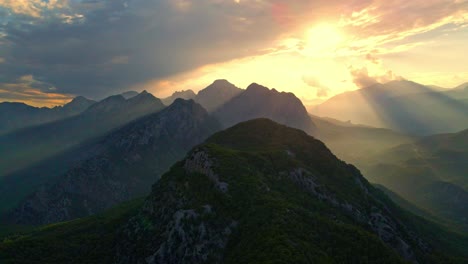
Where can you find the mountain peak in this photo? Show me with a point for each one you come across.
(217, 94)
(184, 94)
(291, 184)
(221, 81)
(78, 104)
(256, 87)
(181, 101)
(258, 101)
(79, 98)
(129, 94)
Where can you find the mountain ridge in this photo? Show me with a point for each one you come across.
(127, 162)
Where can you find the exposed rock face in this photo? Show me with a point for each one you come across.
(260, 102)
(379, 220)
(200, 162)
(269, 190)
(127, 162)
(170, 229)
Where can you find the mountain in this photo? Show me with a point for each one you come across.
(217, 94)
(291, 201)
(86, 240)
(258, 101)
(14, 116)
(460, 92)
(399, 105)
(462, 86)
(186, 94)
(430, 172)
(356, 143)
(28, 146)
(126, 163)
(129, 94)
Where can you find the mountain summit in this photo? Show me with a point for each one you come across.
(217, 94)
(261, 192)
(258, 101)
(258, 192)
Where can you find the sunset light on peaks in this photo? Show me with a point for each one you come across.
(233, 131)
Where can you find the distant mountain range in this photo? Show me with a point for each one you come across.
(14, 116)
(42, 206)
(211, 97)
(113, 150)
(36, 155)
(430, 172)
(125, 164)
(403, 106)
(258, 192)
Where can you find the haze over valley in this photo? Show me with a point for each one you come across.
(181, 131)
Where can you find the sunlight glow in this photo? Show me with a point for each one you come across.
(323, 38)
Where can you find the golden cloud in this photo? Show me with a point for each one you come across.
(25, 90)
(33, 8)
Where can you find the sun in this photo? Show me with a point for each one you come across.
(323, 38)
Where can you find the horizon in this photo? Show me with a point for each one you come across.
(52, 51)
(196, 91)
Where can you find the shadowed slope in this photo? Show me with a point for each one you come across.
(126, 163)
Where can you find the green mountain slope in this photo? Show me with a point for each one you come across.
(87, 240)
(430, 172)
(260, 192)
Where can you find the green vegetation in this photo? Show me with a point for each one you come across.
(277, 219)
(430, 173)
(86, 240)
(264, 216)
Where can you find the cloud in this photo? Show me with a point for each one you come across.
(312, 81)
(97, 47)
(143, 40)
(33, 8)
(362, 78)
(31, 91)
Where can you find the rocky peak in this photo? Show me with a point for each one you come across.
(217, 94)
(289, 184)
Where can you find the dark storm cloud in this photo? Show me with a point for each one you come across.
(100, 47)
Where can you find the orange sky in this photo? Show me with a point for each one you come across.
(424, 41)
(315, 49)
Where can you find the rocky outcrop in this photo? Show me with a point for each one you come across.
(377, 220)
(171, 229)
(200, 162)
(225, 193)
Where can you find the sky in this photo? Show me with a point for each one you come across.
(54, 50)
